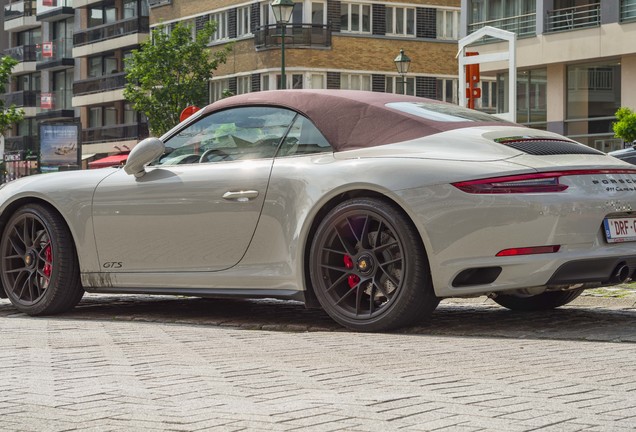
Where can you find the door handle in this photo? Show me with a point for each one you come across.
(240, 196)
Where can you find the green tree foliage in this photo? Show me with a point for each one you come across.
(170, 72)
(625, 127)
(8, 115)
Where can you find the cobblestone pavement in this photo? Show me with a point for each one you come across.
(160, 363)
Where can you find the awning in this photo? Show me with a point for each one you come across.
(109, 161)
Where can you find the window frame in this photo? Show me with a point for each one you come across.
(391, 30)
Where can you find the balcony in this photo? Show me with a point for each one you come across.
(56, 105)
(18, 143)
(55, 55)
(157, 3)
(127, 132)
(574, 18)
(100, 84)
(628, 10)
(20, 16)
(23, 99)
(522, 25)
(296, 35)
(111, 31)
(22, 53)
(54, 10)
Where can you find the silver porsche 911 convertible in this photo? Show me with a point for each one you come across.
(372, 206)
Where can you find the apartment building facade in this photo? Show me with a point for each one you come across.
(576, 62)
(71, 71)
(72, 55)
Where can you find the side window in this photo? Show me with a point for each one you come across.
(303, 138)
(234, 134)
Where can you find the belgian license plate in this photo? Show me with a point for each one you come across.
(620, 229)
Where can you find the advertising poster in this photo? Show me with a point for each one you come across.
(59, 147)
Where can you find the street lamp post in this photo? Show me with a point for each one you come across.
(282, 10)
(402, 63)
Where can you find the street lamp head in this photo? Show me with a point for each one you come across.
(402, 62)
(282, 10)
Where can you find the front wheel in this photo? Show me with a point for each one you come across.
(368, 267)
(40, 271)
(543, 301)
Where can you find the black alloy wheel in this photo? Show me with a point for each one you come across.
(368, 267)
(40, 273)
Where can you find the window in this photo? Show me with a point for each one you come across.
(488, 99)
(28, 82)
(243, 21)
(355, 18)
(101, 15)
(318, 13)
(30, 37)
(400, 86)
(446, 90)
(593, 96)
(303, 138)
(317, 81)
(233, 134)
(130, 8)
(217, 88)
(102, 65)
(62, 86)
(355, 82)
(130, 116)
(400, 21)
(221, 20)
(102, 116)
(447, 24)
(243, 84)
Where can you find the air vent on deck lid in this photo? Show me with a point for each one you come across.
(544, 147)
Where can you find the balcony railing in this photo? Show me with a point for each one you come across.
(55, 50)
(22, 53)
(100, 84)
(23, 99)
(17, 143)
(19, 10)
(57, 100)
(522, 25)
(628, 10)
(110, 31)
(296, 35)
(127, 132)
(574, 18)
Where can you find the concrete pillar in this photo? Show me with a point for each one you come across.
(628, 81)
(556, 98)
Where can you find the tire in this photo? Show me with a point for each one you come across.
(368, 267)
(543, 301)
(40, 271)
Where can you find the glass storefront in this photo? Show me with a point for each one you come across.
(531, 97)
(593, 96)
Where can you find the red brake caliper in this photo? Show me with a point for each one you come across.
(352, 279)
(48, 268)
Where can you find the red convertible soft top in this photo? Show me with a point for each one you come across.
(352, 119)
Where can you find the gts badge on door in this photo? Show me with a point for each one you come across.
(113, 265)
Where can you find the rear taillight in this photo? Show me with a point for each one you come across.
(529, 250)
(526, 183)
(530, 183)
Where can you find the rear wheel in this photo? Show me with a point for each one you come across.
(40, 272)
(368, 268)
(543, 301)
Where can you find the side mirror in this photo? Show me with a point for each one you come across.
(142, 154)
